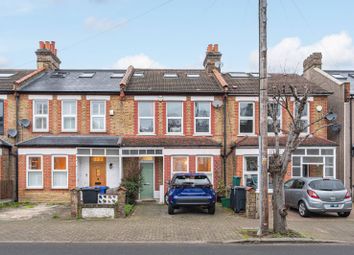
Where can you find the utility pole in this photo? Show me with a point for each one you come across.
(263, 116)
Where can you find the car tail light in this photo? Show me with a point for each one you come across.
(347, 195)
(312, 194)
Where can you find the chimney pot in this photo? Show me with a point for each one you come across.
(47, 45)
(41, 44)
(216, 47)
(210, 48)
(47, 58)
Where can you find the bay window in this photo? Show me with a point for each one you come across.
(34, 169)
(98, 116)
(246, 118)
(40, 116)
(202, 117)
(60, 172)
(146, 117)
(179, 164)
(174, 118)
(69, 115)
(204, 165)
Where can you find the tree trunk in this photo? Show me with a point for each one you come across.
(278, 202)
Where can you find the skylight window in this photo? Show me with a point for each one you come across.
(193, 75)
(255, 75)
(170, 75)
(6, 75)
(351, 75)
(117, 75)
(239, 75)
(339, 76)
(138, 74)
(86, 75)
(58, 74)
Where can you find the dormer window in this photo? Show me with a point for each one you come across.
(86, 75)
(170, 75)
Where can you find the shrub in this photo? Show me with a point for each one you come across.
(128, 209)
(132, 182)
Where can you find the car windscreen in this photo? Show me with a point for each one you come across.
(191, 180)
(327, 185)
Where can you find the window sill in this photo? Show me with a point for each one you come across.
(69, 131)
(34, 188)
(177, 134)
(147, 134)
(247, 134)
(40, 131)
(98, 131)
(63, 188)
(202, 134)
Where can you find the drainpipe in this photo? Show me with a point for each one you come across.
(351, 144)
(17, 96)
(225, 136)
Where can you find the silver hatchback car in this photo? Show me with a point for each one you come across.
(317, 195)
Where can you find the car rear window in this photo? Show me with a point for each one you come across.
(329, 185)
(191, 180)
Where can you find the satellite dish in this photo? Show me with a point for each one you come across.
(217, 103)
(24, 123)
(335, 129)
(331, 116)
(12, 133)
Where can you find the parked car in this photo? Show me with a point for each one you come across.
(186, 190)
(318, 195)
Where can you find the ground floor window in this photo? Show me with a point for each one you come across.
(204, 165)
(313, 162)
(60, 172)
(250, 172)
(34, 172)
(179, 164)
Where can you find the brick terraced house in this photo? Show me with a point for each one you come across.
(89, 127)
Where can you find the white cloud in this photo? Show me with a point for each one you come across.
(289, 54)
(138, 61)
(102, 24)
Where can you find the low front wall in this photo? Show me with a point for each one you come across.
(47, 193)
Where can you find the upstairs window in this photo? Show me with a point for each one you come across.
(305, 117)
(2, 117)
(98, 116)
(146, 117)
(69, 114)
(246, 118)
(271, 108)
(202, 117)
(40, 116)
(174, 117)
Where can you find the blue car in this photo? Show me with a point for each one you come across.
(186, 190)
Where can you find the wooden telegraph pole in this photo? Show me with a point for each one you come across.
(263, 101)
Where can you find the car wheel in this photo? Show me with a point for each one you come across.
(343, 214)
(166, 198)
(211, 209)
(302, 209)
(171, 210)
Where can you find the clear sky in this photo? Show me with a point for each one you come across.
(175, 33)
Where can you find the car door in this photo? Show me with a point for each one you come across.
(288, 192)
(297, 192)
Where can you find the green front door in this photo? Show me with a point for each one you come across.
(147, 190)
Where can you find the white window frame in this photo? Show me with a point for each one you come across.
(35, 116)
(149, 117)
(68, 115)
(60, 171)
(179, 156)
(244, 169)
(28, 170)
(202, 118)
(307, 117)
(280, 118)
(246, 118)
(174, 118)
(92, 116)
(211, 166)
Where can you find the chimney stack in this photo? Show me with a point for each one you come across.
(212, 58)
(313, 61)
(47, 56)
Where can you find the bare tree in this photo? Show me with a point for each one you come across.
(287, 97)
